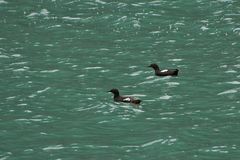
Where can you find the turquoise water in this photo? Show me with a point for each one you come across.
(59, 58)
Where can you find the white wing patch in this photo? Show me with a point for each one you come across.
(165, 70)
(127, 99)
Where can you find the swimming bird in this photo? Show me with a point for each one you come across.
(125, 99)
(165, 72)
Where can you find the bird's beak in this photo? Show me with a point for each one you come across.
(108, 91)
(148, 66)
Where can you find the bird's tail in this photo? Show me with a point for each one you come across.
(136, 101)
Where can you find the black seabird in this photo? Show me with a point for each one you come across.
(125, 99)
(165, 72)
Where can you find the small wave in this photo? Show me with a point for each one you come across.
(22, 104)
(103, 122)
(171, 41)
(170, 141)
(88, 68)
(166, 97)
(19, 63)
(231, 71)
(44, 90)
(100, 1)
(43, 12)
(85, 109)
(151, 143)
(236, 30)
(72, 18)
(105, 70)
(21, 69)
(233, 82)
(167, 113)
(3, 2)
(237, 65)
(3, 56)
(136, 24)
(55, 26)
(175, 60)
(150, 81)
(136, 73)
(156, 3)
(225, 1)
(94, 146)
(231, 91)
(53, 147)
(49, 71)
(38, 92)
(81, 75)
(204, 28)
(172, 84)
(5, 157)
(132, 67)
(138, 95)
(10, 98)
(28, 120)
(219, 149)
(155, 32)
(16, 55)
(130, 107)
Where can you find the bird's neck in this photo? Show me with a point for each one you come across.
(156, 68)
(116, 95)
